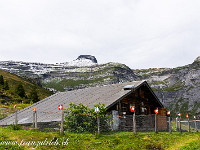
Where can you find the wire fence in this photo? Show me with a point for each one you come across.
(112, 122)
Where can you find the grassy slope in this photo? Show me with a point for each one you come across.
(14, 81)
(10, 97)
(116, 140)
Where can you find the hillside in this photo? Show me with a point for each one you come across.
(177, 88)
(9, 96)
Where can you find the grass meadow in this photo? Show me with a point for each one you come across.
(15, 138)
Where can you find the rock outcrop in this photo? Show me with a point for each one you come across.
(178, 88)
(92, 58)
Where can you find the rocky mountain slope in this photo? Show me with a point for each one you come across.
(80, 73)
(178, 88)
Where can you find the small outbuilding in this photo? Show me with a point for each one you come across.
(118, 98)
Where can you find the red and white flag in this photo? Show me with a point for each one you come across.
(60, 107)
(132, 109)
(168, 113)
(15, 106)
(179, 114)
(176, 118)
(187, 116)
(156, 111)
(34, 109)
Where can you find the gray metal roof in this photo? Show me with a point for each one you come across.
(47, 109)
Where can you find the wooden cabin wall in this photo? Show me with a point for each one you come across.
(145, 103)
(162, 119)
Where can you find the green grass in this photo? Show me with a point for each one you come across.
(177, 86)
(8, 109)
(112, 140)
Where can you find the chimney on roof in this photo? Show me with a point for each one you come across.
(129, 87)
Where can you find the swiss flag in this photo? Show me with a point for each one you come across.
(60, 107)
(34, 109)
(176, 118)
(168, 113)
(179, 114)
(156, 111)
(15, 106)
(132, 109)
(187, 116)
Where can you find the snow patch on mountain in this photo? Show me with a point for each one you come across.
(81, 62)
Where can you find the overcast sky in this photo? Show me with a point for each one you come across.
(138, 33)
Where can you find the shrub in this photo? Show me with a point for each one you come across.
(81, 118)
(15, 127)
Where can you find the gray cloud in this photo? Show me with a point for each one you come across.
(138, 33)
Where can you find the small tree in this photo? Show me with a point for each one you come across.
(20, 91)
(33, 95)
(1, 80)
(6, 86)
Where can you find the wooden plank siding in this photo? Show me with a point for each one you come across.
(145, 103)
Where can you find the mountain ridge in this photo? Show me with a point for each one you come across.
(63, 76)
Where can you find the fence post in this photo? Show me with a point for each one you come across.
(62, 122)
(170, 124)
(156, 123)
(134, 123)
(98, 119)
(98, 123)
(188, 125)
(180, 124)
(35, 119)
(16, 117)
(195, 125)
